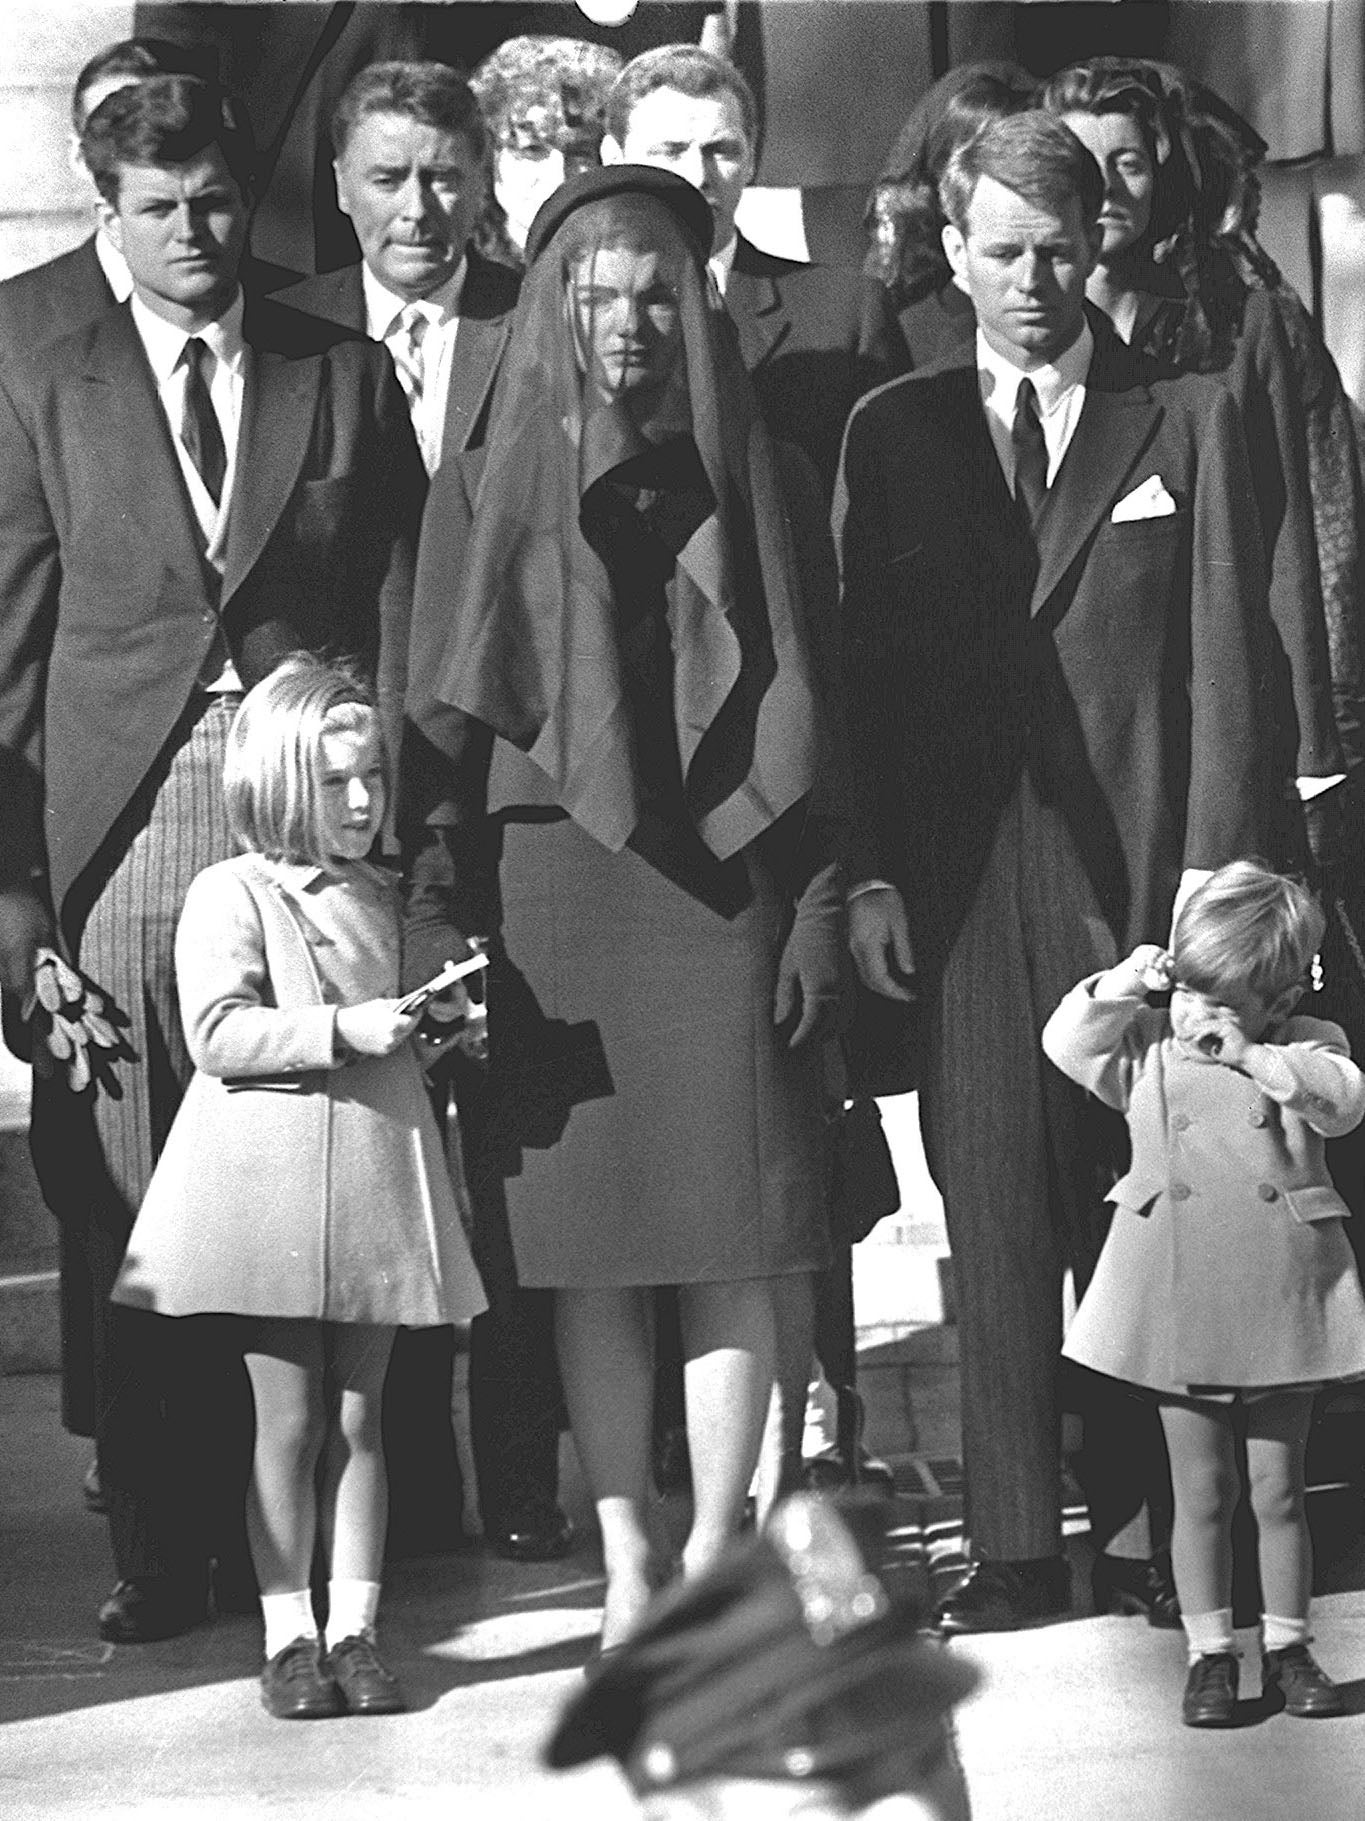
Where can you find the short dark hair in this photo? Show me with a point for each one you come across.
(163, 121)
(1034, 155)
(433, 94)
(136, 58)
(690, 70)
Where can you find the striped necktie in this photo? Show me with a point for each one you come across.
(200, 430)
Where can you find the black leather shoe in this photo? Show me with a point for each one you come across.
(1006, 1596)
(366, 1685)
(1305, 1689)
(295, 1684)
(538, 1532)
(145, 1610)
(1211, 1691)
(1131, 1587)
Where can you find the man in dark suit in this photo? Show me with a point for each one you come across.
(37, 306)
(1054, 613)
(191, 486)
(410, 175)
(814, 338)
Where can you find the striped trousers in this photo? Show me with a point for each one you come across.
(171, 1402)
(1022, 1160)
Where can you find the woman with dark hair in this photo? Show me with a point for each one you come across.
(618, 769)
(1183, 279)
(904, 217)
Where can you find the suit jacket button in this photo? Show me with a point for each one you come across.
(1181, 1191)
(1268, 1192)
(1256, 1116)
(1181, 1122)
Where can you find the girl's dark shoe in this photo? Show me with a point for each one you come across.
(1136, 1587)
(1211, 1691)
(367, 1686)
(1307, 1691)
(295, 1684)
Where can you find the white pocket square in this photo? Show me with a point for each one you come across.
(1150, 500)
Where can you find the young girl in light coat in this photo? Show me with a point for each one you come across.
(303, 1185)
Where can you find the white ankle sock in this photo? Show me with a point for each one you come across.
(1279, 1634)
(287, 1616)
(352, 1607)
(1208, 1633)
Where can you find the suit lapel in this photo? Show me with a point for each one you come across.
(479, 343)
(131, 443)
(277, 424)
(754, 301)
(1115, 427)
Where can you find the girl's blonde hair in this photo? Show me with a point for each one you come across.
(1247, 926)
(272, 775)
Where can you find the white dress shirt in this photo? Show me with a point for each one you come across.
(1061, 397)
(384, 321)
(165, 347)
(721, 263)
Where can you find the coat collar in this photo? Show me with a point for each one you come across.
(490, 294)
(277, 425)
(1117, 423)
(133, 441)
(753, 297)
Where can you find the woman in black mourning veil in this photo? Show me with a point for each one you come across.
(617, 766)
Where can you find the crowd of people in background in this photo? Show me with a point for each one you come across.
(672, 631)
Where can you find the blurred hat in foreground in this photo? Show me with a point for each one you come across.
(790, 1660)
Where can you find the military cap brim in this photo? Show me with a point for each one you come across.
(683, 199)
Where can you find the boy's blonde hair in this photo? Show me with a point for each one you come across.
(272, 775)
(1247, 926)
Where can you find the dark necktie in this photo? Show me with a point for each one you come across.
(200, 432)
(1030, 452)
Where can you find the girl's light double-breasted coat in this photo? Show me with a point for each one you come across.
(296, 1183)
(1226, 1266)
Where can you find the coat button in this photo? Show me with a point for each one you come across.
(1268, 1192)
(1181, 1122)
(1181, 1191)
(1256, 1116)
